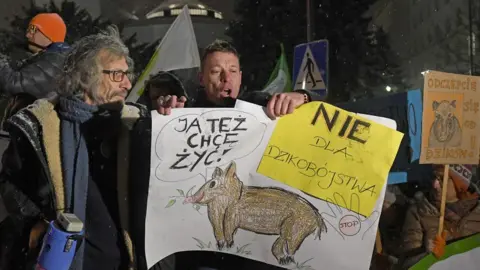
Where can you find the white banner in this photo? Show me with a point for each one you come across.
(177, 50)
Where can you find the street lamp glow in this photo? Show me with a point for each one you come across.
(388, 88)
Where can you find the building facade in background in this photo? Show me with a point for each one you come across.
(208, 23)
(428, 34)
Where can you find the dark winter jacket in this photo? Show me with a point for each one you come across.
(35, 75)
(32, 188)
(32, 78)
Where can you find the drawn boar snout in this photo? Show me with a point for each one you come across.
(194, 198)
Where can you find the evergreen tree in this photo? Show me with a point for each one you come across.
(455, 45)
(79, 24)
(383, 70)
(360, 59)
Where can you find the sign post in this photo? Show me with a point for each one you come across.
(450, 127)
(310, 67)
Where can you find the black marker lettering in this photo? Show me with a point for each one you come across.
(189, 141)
(240, 121)
(228, 140)
(205, 140)
(200, 156)
(196, 124)
(224, 126)
(312, 167)
(371, 189)
(345, 126)
(329, 122)
(271, 147)
(184, 127)
(344, 151)
(182, 157)
(207, 158)
(292, 160)
(351, 134)
(215, 142)
(318, 140)
(329, 185)
(226, 151)
(212, 124)
(282, 154)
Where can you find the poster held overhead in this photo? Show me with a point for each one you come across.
(450, 128)
(450, 119)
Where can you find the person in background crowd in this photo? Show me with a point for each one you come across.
(221, 78)
(462, 218)
(35, 76)
(76, 151)
(161, 84)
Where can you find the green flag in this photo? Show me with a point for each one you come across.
(279, 81)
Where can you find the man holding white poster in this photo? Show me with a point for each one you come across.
(221, 78)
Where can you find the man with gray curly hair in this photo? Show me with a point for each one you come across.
(71, 153)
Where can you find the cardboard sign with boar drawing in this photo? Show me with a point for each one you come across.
(450, 119)
(231, 180)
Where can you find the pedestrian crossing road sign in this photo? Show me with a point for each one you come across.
(310, 67)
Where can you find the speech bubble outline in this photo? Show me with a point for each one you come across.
(231, 151)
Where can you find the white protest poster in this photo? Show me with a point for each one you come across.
(207, 181)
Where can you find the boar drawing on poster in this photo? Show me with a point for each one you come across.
(208, 191)
(450, 119)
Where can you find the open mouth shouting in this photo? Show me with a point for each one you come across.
(226, 92)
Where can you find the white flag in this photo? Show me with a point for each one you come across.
(177, 50)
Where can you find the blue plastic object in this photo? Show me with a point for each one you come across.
(58, 249)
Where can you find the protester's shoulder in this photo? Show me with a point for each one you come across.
(38, 109)
(56, 53)
(51, 57)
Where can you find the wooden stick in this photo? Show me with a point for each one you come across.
(378, 243)
(444, 198)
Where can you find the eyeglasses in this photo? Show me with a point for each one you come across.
(118, 75)
(32, 29)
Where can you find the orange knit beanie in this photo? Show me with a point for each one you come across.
(51, 25)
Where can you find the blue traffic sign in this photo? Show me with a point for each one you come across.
(310, 67)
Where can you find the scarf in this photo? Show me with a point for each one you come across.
(73, 112)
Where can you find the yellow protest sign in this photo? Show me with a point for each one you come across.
(322, 150)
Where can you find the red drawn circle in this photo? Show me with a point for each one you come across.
(349, 225)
